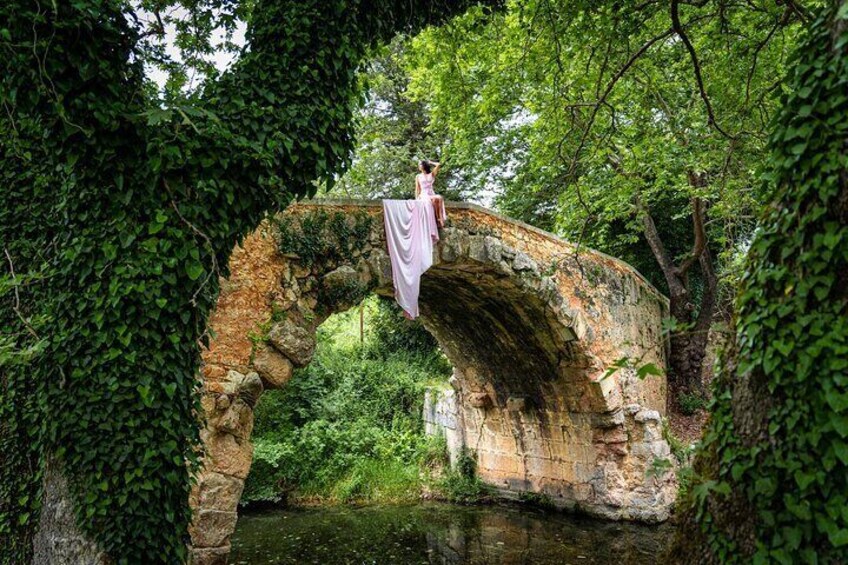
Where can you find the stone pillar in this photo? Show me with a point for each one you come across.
(228, 407)
(442, 416)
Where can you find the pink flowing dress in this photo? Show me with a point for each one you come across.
(411, 233)
(425, 181)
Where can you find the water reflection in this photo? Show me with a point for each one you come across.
(440, 534)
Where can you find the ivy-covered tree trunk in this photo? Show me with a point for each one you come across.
(124, 211)
(772, 482)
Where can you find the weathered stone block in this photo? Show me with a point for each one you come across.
(212, 528)
(209, 555)
(250, 389)
(274, 367)
(647, 415)
(294, 341)
(343, 287)
(381, 268)
(608, 419)
(227, 454)
(522, 262)
(516, 404)
(237, 420)
(219, 492)
(479, 399)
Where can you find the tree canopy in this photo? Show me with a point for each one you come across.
(635, 129)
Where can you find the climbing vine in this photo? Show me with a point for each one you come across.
(321, 237)
(776, 451)
(127, 208)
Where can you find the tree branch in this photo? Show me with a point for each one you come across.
(698, 228)
(633, 58)
(754, 59)
(675, 284)
(17, 306)
(681, 33)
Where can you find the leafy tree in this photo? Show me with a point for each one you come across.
(127, 206)
(637, 129)
(774, 464)
(393, 135)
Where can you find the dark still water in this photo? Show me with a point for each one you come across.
(440, 534)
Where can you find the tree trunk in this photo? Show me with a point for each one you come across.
(686, 360)
(689, 337)
(59, 540)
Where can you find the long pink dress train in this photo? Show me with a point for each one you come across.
(411, 232)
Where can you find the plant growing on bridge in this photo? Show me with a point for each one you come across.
(128, 205)
(321, 237)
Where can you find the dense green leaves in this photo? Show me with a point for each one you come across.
(793, 333)
(348, 426)
(583, 116)
(127, 207)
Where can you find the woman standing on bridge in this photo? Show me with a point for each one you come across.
(424, 188)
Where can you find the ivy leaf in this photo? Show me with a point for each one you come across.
(144, 392)
(193, 269)
(648, 369)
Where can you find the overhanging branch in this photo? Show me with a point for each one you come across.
(677, 27)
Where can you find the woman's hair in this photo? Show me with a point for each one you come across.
(425, 164)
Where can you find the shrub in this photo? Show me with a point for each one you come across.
(462, 485)
(384, 480)
(392, 332)
(691, 403)
(537, 500)
(348, 427)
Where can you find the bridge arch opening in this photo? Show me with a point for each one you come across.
(530, 326)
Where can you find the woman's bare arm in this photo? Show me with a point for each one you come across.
(417, 188)
(436, 168)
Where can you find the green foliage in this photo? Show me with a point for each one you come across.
(792, 332)
(394, 135)
(435, 454)
(347, 427)
(691, 403)
(537, 500)
(128, 207)
(461, 484)
(555, 107)
(18, 498)
(384, 480)
(393, 332)
(683, 453)
(321, 237)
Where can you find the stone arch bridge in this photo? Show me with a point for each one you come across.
(531, 326)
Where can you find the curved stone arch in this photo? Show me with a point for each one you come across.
(530, 324)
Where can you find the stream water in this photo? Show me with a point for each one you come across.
(433, 533)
